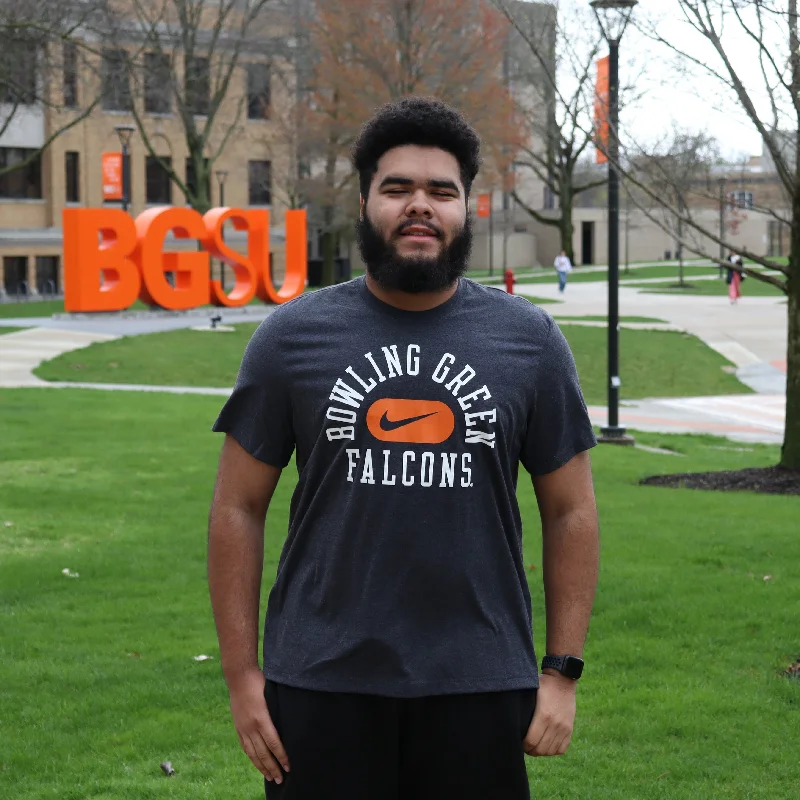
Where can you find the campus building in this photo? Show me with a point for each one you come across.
(742, 202)
(68, 172)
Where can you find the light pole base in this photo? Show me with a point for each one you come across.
(615, 435)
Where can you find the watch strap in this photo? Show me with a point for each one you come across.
(569, 666)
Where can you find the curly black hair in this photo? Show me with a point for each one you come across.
(423, 121)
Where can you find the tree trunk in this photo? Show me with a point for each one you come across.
(566, 228)
(328, 247)
(790, 453)
(328, 217)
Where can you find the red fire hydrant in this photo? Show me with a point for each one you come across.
(510, 280)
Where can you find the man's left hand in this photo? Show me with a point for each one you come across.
(554, 718)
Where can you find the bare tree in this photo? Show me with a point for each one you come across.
(295, 144)
(187, 57)
(678, 170)
(43, 67)
(770, 28)
(367, 53)
(561, 47)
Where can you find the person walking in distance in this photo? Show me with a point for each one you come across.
(398, 656)
(563, 267)
(734, 278)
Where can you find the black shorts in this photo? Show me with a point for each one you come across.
(365, 747)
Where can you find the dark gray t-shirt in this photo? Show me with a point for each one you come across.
(402, 572)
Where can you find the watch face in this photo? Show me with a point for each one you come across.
(573, 667)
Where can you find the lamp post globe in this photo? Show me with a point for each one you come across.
(125, 132)
(221, 174)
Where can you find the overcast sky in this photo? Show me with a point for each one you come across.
(695, 101)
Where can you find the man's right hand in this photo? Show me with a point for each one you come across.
(257, 734)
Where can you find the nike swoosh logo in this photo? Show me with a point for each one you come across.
(388, 425)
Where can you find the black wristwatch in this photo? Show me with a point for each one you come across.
(569, 666)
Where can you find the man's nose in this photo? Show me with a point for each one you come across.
(419, 206)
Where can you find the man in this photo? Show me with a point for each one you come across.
(563, 267)
(397, 651)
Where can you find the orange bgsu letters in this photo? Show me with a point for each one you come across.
(110, 259)
(190, 269)
(245, 268)
(98, 272)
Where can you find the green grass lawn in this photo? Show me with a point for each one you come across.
(43, 308)
(543, 301)
(682, 696)
(602, 318)
(9, 330)
(654, 363)
(46, 308)
(751, 287)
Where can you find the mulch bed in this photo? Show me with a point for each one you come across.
(766, 480)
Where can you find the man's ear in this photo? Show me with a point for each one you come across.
(362, 206)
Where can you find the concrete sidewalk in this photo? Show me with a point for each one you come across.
(751, 335)
(21, 352)
(741, 418)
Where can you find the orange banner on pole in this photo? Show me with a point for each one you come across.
(601, 103)
(484, 205)
(112, 176)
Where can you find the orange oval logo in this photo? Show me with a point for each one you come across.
(411, 421)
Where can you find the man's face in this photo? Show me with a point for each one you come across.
(414, 232)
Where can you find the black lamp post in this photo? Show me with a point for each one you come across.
(722, 184)
(613, 16)
(125, 132)
(221, 174)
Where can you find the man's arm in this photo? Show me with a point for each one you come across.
(570, 559)
(242, 495)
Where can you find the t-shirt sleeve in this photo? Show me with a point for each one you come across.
(258, 414)
(558, 421)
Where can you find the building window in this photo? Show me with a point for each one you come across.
(47, 274)
(70, 75)
(159, 185)
(258, 91)
(259, 175)
(157, 83)
(116, 81)
(18, 66)
(741, 199)
(191, 181)
(15, 275)
(23, 182)
(72, 168)
(197, 85)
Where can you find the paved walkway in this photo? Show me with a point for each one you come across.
(21, 352)
(752, 335)
(743, 418)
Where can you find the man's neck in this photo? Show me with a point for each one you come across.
(406, 301)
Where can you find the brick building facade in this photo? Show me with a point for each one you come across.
(68, 171)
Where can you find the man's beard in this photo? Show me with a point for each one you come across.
(413, 274)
